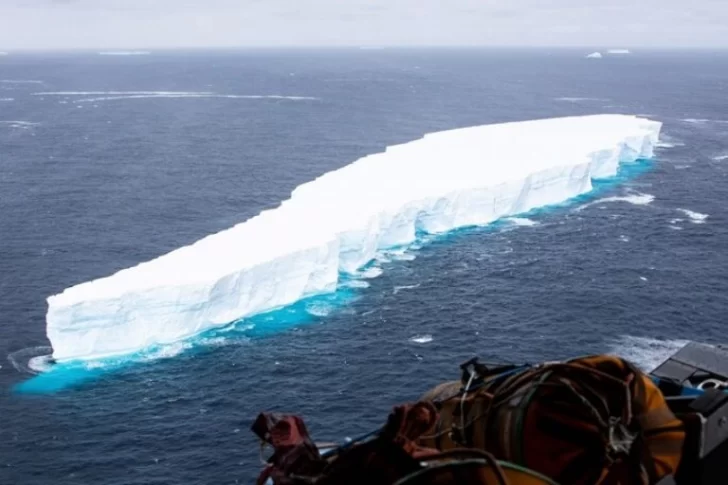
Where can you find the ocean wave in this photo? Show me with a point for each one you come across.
(720, 158)
(522, 221)
(124, 53)
(397, 289)
(646, 353)
(372, 272)
(702, 121)
(695, 217)
(33, 360)
(576, 99)
(635, 199)
(20, 81)
(120, 95)
(422, 339)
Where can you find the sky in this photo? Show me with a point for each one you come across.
(112, 24)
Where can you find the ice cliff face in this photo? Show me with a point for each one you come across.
(337, 222)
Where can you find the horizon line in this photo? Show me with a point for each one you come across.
(590, 47)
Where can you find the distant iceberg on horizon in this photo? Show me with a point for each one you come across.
(594, 55)
(619, 51)
(124, 53)
(338, 223)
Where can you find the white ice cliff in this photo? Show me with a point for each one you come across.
(337, 222)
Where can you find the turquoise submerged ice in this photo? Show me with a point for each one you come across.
(336, 224)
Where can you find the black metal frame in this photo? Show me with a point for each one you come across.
(705, 454)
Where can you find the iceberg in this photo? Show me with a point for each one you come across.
(336, 224)
(619, 51)
(594, 55)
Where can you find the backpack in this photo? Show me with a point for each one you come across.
(586, 421)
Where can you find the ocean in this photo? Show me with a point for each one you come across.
(108, 161)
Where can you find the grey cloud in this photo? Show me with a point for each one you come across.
(185, 23)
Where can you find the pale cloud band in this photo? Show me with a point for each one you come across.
(103, 24)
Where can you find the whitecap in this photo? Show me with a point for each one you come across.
(668, 144)
(19, 123)
(355, 284)
(522, 221)
(702, 121)
(624, 238)
(720, 158)
(319, 308)
(167, 351)
(421, 339)
(695, 217)
(20, 81)
(98, 96)
(646, 353)
(7, 100)
(635, 199)
(372, 272)
(397, 289)
(124, 53)
(576, 99)
(33, 360)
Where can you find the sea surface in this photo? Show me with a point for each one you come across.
(108, 161)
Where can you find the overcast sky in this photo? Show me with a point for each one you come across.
(99, 24)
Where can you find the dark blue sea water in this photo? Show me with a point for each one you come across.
(92, 183)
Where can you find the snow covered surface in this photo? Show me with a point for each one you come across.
(594, 55)
(338, 222)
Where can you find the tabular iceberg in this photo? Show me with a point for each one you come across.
(336, 224)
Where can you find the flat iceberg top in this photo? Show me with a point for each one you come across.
(337, 222)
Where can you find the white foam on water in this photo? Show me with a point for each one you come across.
(624, 238)
(643, 278)
(20, 81)
(668, 144)
(23, 125)
(124, 53)
(42, 363)
(32, 360)
(397, 289)
(187, 96)
(120, 95)
(167, 351)
(702, 121)
(720, 158)
(522, 221)
(356, 284)
(635, 199)
(7, 99)
(576, 99)
(421, 339)
(695, 217)
(338, 223)
(371, 273)
(646, 353)
(19, 123)
(319, 308)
